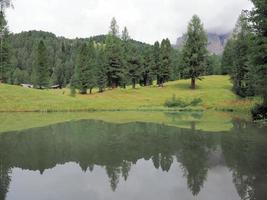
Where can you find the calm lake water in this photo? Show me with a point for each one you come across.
(96, 160)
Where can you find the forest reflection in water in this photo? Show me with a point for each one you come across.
(120, 148)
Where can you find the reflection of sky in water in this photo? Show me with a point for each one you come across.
(92, 159)
(144, 182)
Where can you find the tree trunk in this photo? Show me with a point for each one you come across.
(83, 91)
(113, 85)
(193, 83)
(91, 90)
(133, 82)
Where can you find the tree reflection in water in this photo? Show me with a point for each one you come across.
(118, 147)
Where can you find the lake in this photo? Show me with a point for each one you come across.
(96, 159)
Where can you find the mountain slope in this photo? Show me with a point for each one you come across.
(216, 42)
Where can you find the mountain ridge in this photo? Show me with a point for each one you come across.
(216, 42)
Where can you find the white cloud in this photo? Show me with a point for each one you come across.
(147, 20)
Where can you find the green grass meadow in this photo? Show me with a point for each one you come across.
(215, 92)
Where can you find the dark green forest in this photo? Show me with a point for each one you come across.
(110, 60)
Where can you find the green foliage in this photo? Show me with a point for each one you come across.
(196, 102)
(164, 71)
(147, 72)
(228, 57)
(19, 76)
(178, 102)
(85, 78)
(40, 77)
(175, 102)
(72, 91)
(101, 73)
(241, 48)
(115, 71)
(4, 50)
(213, 65)
(258, 59)
(195, 50)
(156, 60)
(215, 91)
(259, 112)
(114, 28)
(134, 63)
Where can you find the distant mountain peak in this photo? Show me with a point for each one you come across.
(216, 42)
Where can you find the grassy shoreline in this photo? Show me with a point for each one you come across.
(208, 121)
(215, 91)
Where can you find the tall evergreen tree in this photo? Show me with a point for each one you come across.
(213, 65)
(115, 70)
(228, 57)
(258, 59)
(134, 66)
(114, 28)
(125, 37)
(41, 73)
(156, 61)
(165, 62)
(82, 70)
(101, 79)
(240, 54)
(92, 62)
(195, 50)
(58, 75)
(147, 73)
(4, 50)
(258, 56)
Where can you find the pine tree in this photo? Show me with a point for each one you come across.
(240, 53)
(195, 50)
(115, 70)
(258, 59)
(41, 73)
(101, 71)
(114, 28)
(125, 56)
(134, 69)
(165, 62)
(4, 50)
(228, 57)
(58, 75)
(125, 35)
(147, 73)
(156, 61)
(92, 62)
(213, 65)
(82, 70)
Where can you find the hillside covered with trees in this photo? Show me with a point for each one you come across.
(116, 60)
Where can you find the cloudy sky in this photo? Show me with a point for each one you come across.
(147, 20)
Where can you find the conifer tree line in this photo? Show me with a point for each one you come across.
(245, 56)
(100, 62)
(119, 62)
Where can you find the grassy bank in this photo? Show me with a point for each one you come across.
(215, 92)
(206, 121)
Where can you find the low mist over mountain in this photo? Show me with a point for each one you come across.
(216, 42)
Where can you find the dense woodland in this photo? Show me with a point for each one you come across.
(115, 60)
(109, 60)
